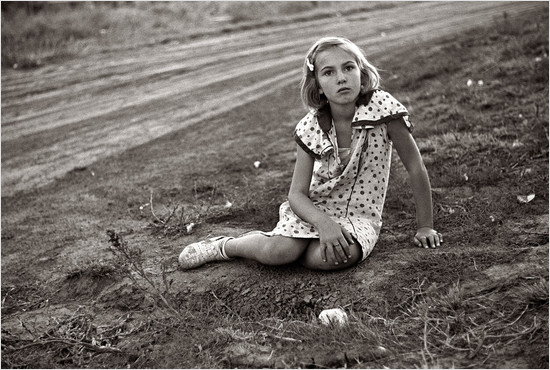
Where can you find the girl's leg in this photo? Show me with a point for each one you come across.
(313, 259)
(268, 250)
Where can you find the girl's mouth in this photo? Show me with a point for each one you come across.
(344, 89)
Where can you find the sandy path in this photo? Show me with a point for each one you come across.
(65, 116)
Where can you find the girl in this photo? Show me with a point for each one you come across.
(332, 218)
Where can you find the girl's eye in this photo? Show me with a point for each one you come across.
(350, 68)
(327, 73)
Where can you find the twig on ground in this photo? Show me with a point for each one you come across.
(223, 304)
(478, 348)
(163, 221)
(519, 317)
(426, 340)
(288, 339)
(72, 342)
(24, 326)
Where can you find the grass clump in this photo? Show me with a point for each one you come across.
(31, 39)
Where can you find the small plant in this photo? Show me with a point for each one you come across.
(131, 259)
(183, 220)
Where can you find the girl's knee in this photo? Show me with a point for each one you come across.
(281, 250)
(313, 258)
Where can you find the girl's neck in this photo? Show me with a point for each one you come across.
(342, 113)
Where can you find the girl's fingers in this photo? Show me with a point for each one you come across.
(346, 253)
(433, 239)
(344, 246)
(421, 241)
(334, 255)
(349, 240)
(348, 236)
(425, 242)
(342, 250)
(324, 248)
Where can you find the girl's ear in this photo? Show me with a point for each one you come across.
(321, 91)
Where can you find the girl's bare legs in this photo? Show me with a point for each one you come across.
(280, 250)
(268, 250)
(313, 258)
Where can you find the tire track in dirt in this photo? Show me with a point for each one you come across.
(62, 117)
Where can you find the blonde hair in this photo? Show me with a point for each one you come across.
(309, 86)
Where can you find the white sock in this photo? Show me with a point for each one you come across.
(222, 249)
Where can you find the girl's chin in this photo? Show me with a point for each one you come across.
(344, 99)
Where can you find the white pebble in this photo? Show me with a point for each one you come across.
(525, 198)
(333, 316)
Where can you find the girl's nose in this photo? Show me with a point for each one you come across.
(341, 78)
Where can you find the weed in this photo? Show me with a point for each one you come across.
(131, 259)
(183, 220)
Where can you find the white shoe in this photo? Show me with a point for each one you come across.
(197, 254)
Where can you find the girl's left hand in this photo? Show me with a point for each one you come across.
(427, 237)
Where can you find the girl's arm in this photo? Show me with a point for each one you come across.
(333, 238)
(409, 154)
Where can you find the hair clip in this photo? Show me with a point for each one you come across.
(310, 65)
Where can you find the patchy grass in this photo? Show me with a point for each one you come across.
(481, 138)
(480, 301)
(34, 35)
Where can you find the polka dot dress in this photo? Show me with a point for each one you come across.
(351, 194)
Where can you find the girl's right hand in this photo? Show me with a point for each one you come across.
(427, 237)
(334, 242)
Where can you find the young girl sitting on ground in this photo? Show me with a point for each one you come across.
(332, 218)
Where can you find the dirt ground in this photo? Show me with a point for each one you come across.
(67, 116)
(114, 140)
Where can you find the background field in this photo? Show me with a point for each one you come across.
(112, 148)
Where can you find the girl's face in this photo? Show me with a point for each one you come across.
(338, 75)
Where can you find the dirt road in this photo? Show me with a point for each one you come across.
(67, 116)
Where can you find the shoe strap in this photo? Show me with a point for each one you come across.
(222, 249)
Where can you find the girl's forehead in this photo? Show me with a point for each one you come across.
(334, 55)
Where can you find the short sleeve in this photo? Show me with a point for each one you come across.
(309, 135)
(381, 108)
